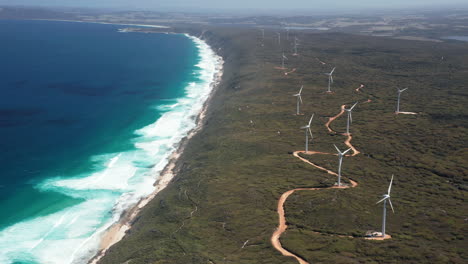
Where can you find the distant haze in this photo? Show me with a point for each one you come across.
(251, 5)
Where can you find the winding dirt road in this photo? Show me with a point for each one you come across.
(282, 226)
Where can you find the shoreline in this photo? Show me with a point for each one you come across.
(117, 231)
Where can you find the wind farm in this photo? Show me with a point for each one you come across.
(249, 194)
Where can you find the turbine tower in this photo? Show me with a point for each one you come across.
(398, 101)
(282, 60)
(384, 200)
(307, 131)
(340, 161)
(279, 38)
(330, 79)
(299, 99)
(350, 117)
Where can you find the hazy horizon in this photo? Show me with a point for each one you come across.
(250, 6)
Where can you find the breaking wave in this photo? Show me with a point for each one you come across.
(72, 235)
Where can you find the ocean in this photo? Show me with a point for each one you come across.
(88, 118)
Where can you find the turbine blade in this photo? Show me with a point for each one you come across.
(337, 149)
(353, 106)
(390, 186)
(350, 116)
(391, 205)
(404, 89)
(300, 90)
(300, 98)
(310, 121)
(346, 151)
(331, 77)
(311, 136)
(383, 199)
(333, 70)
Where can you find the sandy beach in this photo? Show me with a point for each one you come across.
(117, 231)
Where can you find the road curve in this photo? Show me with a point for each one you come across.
(282, 226)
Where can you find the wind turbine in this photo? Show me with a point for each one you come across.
(295, 46)
(398, 101)
(307, 131)
(299, 99)
(350, 117)
(340, 161)
(330, 78)
(279, 37)
(384, 200)
(263, 36)
(283, 57)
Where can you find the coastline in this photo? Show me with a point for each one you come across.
(117, 231)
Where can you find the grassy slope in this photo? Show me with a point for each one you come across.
(234, 171)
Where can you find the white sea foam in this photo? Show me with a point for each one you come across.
(122, 179)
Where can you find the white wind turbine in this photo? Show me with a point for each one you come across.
(384, 200)
(350, 117)
(295, 46)
(330, 78)
(283, 57)
(340, 161)
(307, 131)
(299, 99)
(263, 36)
(398, 101)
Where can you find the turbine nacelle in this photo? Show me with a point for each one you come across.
(341, 154)
(307, 127)
(310, 122)
(351, 108)
(349, 112)
(300, 91)
(402, 90)
(387, 196)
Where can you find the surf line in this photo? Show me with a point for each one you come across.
(282, 226)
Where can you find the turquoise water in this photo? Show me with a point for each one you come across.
(88, 118)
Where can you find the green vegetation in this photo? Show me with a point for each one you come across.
(234, 171)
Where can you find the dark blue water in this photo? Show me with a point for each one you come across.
(72, 91)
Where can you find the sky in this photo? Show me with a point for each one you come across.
(185, 5)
